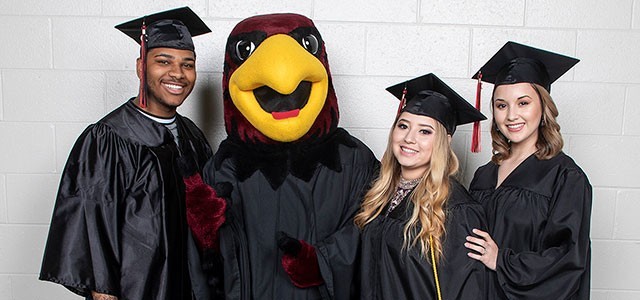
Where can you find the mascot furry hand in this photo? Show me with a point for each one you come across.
(292, 168)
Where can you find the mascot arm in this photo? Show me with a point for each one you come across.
(206, 208)
(299, 261)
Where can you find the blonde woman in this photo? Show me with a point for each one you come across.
(536, 198)
(416, 212)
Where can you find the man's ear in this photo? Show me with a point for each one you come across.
(139, 67)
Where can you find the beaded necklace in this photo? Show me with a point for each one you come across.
(403, 188)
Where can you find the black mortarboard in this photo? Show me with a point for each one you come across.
(429, 96)
(168, 29)
(515, 63)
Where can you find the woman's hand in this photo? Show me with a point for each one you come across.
(484, 248)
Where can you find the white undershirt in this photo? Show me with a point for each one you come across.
(170, 123)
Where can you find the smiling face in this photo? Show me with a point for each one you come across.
(171, 75)
(413, 138)
(517, 111)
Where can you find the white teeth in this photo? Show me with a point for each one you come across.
(408, 150)
(515, 125)
(173, 86)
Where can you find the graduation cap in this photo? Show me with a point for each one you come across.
(429, 96)
(515, 63)
(168, 29)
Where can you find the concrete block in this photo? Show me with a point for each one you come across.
(627, 224)
(50, 8)
(401, 11)
(401, 50)
(30, 198)
(46, 95)
(27, 148)
(636, 16)
(1, 102)
(120, 86)
(615, 265)
(599, 295)
(28, 287)
(102, 46)
(623, 295)
(602, 56)
(26, 41)
(603, 213)
(501, 12)
(204, 105)
(5, 287)
(22, 248)
(632, 111)
(579, 14)
(345, 44)
(487, 41)
(579, 103)
(3, 199)
(134, 9)
(244, 9)
(376, 140)
(211, 47)
(364, 102)
(608, 161)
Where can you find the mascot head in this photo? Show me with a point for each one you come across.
(276, 82)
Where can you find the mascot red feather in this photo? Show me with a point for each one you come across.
(296, 177)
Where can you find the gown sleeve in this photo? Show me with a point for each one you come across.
(557, 269)
(81, 252)
(338, 253)
(462, 277)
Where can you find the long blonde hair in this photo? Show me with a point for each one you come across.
(428, 197)
(549, 142)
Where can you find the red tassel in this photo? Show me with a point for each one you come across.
(142, 95)
(475, 138)
(403, 100)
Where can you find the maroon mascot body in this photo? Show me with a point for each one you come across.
(296, 177)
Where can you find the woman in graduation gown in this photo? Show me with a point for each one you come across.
(416, 212)
(537, 200)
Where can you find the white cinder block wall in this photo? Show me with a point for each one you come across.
(63, 66)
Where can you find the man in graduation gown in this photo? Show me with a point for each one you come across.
(119, 227)
(297, 178)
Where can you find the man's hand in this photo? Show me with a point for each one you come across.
(99, 296)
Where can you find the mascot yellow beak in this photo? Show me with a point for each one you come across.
(281, 88)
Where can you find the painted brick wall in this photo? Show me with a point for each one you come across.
(63, 66)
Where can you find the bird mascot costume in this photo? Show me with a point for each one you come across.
(296, 179)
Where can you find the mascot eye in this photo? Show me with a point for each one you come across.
(244, 49)
(310, 42)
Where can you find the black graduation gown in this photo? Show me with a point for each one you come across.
(539, 217)
(119, 223)
(310, 193)
(391, 272)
